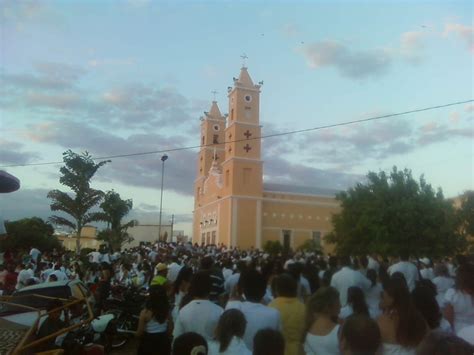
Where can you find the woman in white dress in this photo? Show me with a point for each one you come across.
(322, 310)
(459, 309)
(229, 333)
(402, 327)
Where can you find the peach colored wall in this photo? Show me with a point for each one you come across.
(247, 222)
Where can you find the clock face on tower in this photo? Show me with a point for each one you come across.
(248, 98)
(216, 127)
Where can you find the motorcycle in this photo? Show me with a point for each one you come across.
(125, 305)
(102, 331)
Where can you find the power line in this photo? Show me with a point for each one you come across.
(261, 137)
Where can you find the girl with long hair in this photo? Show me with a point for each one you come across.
(402, 327)
(459, 309)
(322, 310)
(229, 333)
(355, 303)
(181, 288)
(154, 326)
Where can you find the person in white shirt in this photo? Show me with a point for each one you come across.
(229, 333)
(35, 253)
(347, 277)
(257, 315)
(94, 257)
(373, 263)
(227, 270)
(442, 281)
(60, 275)
(200, 315)
(45, 273)
(173, 270)
(459, 309)
(408, 269)
(426, 270)
(24, 275)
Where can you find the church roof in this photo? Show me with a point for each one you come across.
(303, 190)
(244, 78)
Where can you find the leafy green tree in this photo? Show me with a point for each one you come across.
(76, 174)
(273, 247)
(310, 245)
(115, 209)
(392, 214)
(466, 217)
(30, 232)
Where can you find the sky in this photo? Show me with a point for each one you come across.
(118, 77)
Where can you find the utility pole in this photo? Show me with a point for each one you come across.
(172, 224)
(163, 159)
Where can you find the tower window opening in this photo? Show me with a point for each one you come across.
(215, 139)
(202, 140)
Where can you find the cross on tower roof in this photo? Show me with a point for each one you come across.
(244, 59)
(214, 93)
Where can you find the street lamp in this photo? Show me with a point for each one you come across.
(163, 159)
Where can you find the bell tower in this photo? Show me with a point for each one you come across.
(212, 146)
(242, 168)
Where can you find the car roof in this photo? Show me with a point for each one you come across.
(49, 284)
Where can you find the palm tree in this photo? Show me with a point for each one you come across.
(76, 174)
(115, 209)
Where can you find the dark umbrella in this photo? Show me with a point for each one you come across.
(8, 183)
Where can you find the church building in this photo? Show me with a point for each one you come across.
(232, 203)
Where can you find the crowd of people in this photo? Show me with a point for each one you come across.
(217, 300)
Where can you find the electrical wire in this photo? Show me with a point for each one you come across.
(374, 118)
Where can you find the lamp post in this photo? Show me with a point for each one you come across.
(163, 159)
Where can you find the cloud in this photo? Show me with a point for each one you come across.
(139, 171)
(469, 108)
(12, 153)
(358, 63)
(57, 91)
(463, 32)
(354, 64)
(279, 170)
(411, 46)
(46, 76)
(342, 149)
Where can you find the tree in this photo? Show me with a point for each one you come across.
(115, 209)
(466, 216)
(76, 174)
(394, 214)
(311, 246)
(30, 232)
(273, 247)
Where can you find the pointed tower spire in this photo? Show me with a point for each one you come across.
(215, 112)
(244, 78)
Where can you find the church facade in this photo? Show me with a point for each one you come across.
(232, 204)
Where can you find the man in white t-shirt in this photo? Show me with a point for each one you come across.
(348, 277)
(408, 269)
(200, 315)
(258, 316)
